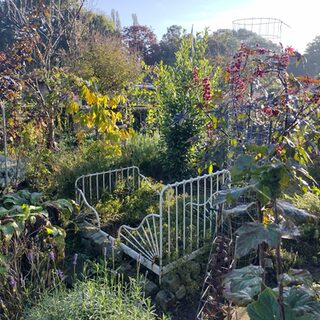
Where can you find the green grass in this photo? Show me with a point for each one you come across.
(105, 296)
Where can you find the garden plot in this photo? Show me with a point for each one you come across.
(160, 226)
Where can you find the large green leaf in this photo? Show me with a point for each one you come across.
(299, 305)
(302, 302)
(231, 195)
(250, 235)
(297, 276)
(273, 178)
(3, 212)
(289, 211)
(242, 285)
(35, 198)
(238, 210)
(62, 205)
(266, 307)
(10, 228)
(243, 166)
(289, 230)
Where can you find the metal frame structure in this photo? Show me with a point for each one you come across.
(269, 28)
(186, 220)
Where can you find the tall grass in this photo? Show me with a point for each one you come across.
(105, 296)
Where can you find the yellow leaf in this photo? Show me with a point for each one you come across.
(214, 122)
(233, 142)
(266, 219)
(113, 103)
(72, 107)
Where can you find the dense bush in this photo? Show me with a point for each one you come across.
(109, 62)
(185, 95)
(129, 207)
(307, 247)
(32, 243)
(55, 172)
(145, 152)
(105, 297)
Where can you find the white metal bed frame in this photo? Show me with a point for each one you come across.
(185, 223)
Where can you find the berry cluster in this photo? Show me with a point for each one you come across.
(271, 112)
(206, 89)
(235, 77)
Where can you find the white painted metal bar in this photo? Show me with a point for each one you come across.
(191, 213)
(169, 220)
(184, 214)
(204, 209)
(156, 252)
(83, 187)
(90, 188)
(97, 186)
(155, 231)
(198, 213)
(177, 219)
(143, 240)
(139, 247)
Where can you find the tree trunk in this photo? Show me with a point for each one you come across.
(51, 143)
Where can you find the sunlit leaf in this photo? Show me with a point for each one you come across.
(242, 285)
(289, 211)
(250, 235)
(295, 277)
(238, 210)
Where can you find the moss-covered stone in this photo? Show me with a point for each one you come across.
(171, 281)
(181, 292)
(165, 299)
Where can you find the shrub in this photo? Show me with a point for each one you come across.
(55, 173)
(31, 245)
(307, 246)
(123, 206)
(185, 95)
(103, 297)
(144, 151)
(309, 201)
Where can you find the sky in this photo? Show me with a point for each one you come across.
(302, 17)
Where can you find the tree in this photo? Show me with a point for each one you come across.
(6, 29)
(141, 40)
(97, 23)
(224, 43)
(109, 61)
(54, 25)
(116, 20)
(135, 20)
(185, 96)
(312, 55)
(170, 44)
